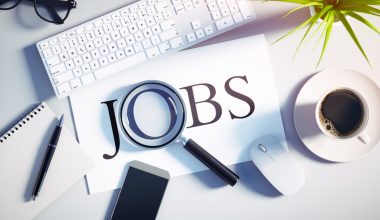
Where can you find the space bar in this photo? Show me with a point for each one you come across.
(120, 65)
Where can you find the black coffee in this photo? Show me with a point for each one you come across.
(341, 113)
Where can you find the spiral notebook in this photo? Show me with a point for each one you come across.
(22, 149)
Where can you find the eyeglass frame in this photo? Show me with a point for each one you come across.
(70, 3)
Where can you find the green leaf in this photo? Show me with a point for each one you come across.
(363, 20)
(313, 21)
(303, 6)
(352, 34)
(329, 27)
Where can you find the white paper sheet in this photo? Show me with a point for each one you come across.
(227, 139)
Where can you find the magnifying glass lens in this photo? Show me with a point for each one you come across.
(152, 115)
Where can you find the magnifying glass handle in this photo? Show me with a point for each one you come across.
(211, 162)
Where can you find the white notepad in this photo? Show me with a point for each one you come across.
(22, 149)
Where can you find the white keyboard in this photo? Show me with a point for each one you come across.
(134, 34)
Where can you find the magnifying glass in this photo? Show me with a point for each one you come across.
(153, 115)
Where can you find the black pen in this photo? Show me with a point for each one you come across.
(47, 159)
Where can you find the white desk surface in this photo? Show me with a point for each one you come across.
(332, 190)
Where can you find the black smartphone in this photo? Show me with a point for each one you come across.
(142, 192)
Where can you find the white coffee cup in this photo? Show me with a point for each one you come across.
(326, 124)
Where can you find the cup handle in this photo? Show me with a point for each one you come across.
(364, 137)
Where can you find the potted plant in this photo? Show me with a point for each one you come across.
(327, 12)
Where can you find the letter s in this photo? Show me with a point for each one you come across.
(240, 96)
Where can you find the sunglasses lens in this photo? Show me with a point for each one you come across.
(8, 4)
(55, 11)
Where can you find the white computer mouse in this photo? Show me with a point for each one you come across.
(277, 165)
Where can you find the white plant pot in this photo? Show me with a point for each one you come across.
(312, 13)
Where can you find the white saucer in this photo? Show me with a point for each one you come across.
(329, 148)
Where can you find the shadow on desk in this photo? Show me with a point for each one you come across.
(38, 74)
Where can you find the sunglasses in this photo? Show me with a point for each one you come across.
(53, 11)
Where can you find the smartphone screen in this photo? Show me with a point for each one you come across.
(142, 192)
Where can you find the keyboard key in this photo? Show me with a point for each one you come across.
(245, 9)
(216, 15)
(95, 54)
(53, 42)
(225, 11)
(52, 61)
(197, 3)
(169, 34)
(44, 45)
(106, 39)
(112, 47)
(98, 42)
(71, 34)
(155, 40)
(168, 13)
(234, 8)
(104, 50)
(120, 54)
(176, 42)
(130, 39)
(224, 23)
(221, 3)
(188, 5)
(94, 65)
(237, 17)
(146, 43)
(63, 56)
(86, 57)
(77, 72)
(86, 68)
(139, 36)
(158, 17)
(61, 38)
(65, 46)
(156, 29)
(152, 52)
(164, 47)
(111, 58)
(78, 61)
(208, 30)
(121, 43)
(160, 6)
(150, 21)
(81, 49)
(56, 49)
(129, 51)
(103, 61)
(75, 83)
(141, 25)
(89, 46)
(166, 25)
(57, 69)
(213, 6)
(138, 47)
(47, 53)
(61, 78)
(72, 53)
(115, 35)
(133, 28)
(179, 9)
(121, 65)
(88, 78)
(176, 2)
(69, 64)
(200, 33)
(191, 37)
(63, 88)
(196, 24)
(124, 32)
(147, 33)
